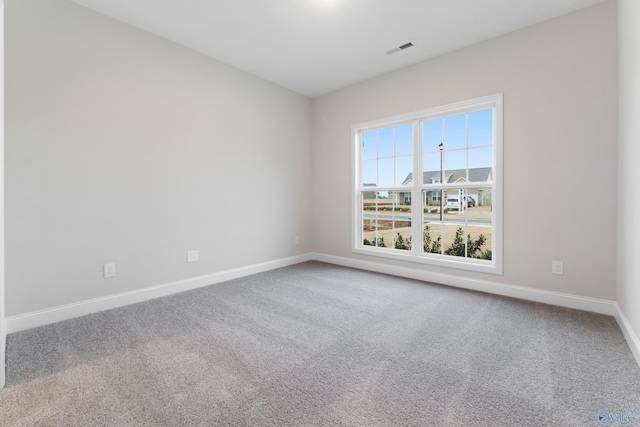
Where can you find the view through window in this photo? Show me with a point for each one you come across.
(428, 185)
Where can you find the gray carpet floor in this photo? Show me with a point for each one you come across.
(321, 345)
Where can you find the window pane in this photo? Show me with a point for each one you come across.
(480, 157)
(383, 198)
(402, 235)
(481, 128)
(431, 167)
(433, 177)
(385, 172)
(369, 227)
(405, 199)
(432, 224)
(455, 202)
(432, 238)
(467, 223)
(479, 242)
(404, 165)
(404, 140)
(370, 232)
(455, 132)
(387, 156)
(402, 208)
(370, 172)
(432, 135)
(479, 223)
(385, 142)
(453, 240)
(369, 218)
(431, 202)
(455, 165)
(484, 197)
(401, 215)
(369, 200)
(375, 208)
(370, 145)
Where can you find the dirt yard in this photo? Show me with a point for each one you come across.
(387, 230)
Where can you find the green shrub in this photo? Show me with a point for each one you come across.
(430, 210)
(402, 243)
(377, 241)
(429, 245)
(486, 254)
(457, 248)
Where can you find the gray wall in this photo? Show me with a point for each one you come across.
(123, 147)
(629, 171)
(559, 80)
(3, 331)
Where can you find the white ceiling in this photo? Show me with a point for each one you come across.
(317, 46)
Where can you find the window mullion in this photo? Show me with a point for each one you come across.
(416, 191)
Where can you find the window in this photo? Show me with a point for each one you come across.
(427, 186)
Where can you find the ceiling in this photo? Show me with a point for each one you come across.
(314, 47)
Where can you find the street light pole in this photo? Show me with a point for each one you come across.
(441, 180)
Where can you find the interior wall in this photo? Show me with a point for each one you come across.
(628, 296)
(122, 147)
(559, 80)
(3, 328)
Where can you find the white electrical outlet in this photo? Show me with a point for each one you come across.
(297, 240)
(193, 256)
(109, 270)
(557, 267)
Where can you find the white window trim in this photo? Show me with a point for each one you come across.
(495, 266)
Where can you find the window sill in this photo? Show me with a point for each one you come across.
(469, 264)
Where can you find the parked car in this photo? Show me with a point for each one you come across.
(453, 202)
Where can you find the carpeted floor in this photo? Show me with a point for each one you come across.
(320, 345)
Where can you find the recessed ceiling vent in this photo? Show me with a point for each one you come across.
(399, 48)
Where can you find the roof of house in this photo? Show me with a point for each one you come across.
(451, 176)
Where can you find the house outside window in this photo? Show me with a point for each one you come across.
(451, 215)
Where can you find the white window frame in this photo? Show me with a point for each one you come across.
(494, 266)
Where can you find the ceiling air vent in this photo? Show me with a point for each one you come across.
(399, 48)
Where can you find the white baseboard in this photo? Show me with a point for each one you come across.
(548, 297)
(629, 334)
(69, 311)
(44, 317)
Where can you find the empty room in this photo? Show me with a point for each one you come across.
(320, 213)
